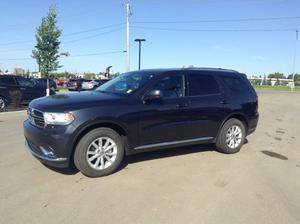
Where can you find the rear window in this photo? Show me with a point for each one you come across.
(202, 85)
(236, 85)
(7, 81)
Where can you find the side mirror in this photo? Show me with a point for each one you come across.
(153, 95)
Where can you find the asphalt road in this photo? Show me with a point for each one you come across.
(261, 184)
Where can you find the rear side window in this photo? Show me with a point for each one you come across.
(202, 85)
(25, 82)
(7, 81)
(235, 85)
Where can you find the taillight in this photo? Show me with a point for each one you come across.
(256, 104)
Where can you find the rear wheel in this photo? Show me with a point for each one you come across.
(99, 152)
(2, 103)
(231, 137)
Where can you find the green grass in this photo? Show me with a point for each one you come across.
(278, 88)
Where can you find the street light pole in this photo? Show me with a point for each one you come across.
(140, 46)
(295, 56)
(294, 62)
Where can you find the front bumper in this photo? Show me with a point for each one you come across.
(61, 162)
(52, 146)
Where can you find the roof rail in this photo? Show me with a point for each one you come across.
(207, 68)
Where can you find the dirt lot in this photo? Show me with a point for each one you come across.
(261, 184)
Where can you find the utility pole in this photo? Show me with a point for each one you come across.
(128, 14)
(140, 41)
(295, 56)
(294, 62)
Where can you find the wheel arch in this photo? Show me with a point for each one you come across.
(103, 124)
(237, 115)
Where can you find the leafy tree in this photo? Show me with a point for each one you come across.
(276, 75)
(46, 51)
(89, 75)
(297, 77)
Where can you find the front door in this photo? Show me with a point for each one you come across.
(165, 120)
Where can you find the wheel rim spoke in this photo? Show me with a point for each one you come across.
(97, 162)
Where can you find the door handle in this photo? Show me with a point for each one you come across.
(183, 105)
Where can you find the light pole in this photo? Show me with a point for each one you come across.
(140, 41)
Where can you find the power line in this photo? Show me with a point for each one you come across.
(94, 29)
(213, 30)
(223, 20)
(92, 36)
(68, 42)
(71, 56)
(68, 34)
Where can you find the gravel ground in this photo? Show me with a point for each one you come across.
(261, 184)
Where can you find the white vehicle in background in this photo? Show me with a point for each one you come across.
(92, 84)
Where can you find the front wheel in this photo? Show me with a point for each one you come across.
(231, 137)
(99, 153)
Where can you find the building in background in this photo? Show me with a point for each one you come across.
(19, 71)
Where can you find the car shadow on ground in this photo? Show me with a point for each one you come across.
(145, 156)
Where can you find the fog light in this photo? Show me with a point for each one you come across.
(47, 152)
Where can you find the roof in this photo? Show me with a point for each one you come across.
(161, 70)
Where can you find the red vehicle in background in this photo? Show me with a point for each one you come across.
(62, 82)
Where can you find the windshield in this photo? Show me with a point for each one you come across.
(126, 83)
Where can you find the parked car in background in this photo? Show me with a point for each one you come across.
(28, 88)
(75, 84)
(43, 83)
(92, 84)
(142, 111)
(62, 82)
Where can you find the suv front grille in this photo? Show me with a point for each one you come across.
(36, 117)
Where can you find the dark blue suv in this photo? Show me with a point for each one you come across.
(28, 88)
(141, 111)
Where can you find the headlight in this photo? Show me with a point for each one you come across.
(58, 118)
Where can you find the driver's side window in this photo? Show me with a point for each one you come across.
(171, 86)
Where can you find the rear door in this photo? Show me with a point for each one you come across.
(207, 104)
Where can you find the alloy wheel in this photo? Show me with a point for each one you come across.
(2, 103)
(101, 153)
(234, 136)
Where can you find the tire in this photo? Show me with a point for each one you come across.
(2, 103)
(95, 162)
(231, 137)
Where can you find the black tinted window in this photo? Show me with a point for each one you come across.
(25, 82)
(202, 85)
(235, 85)
(171, 86)
(7, 80)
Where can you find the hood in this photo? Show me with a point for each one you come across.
(73, 101)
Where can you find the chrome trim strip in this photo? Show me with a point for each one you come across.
(44, 157)
(172, 143)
